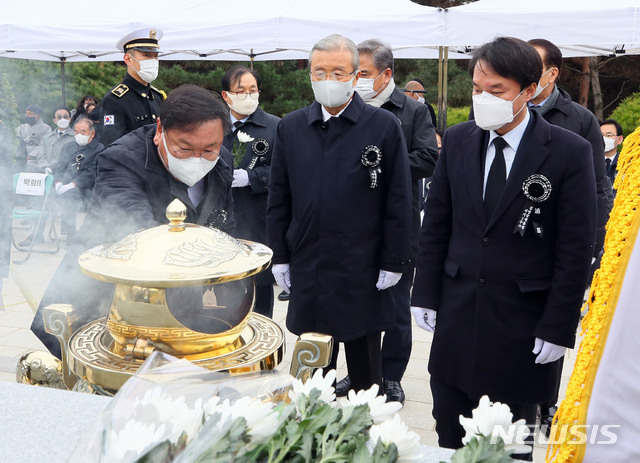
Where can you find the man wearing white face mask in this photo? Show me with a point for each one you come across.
(181, 156)
(74, 174)
(252, 166)
(505, 246)
(555, 105)
(134, 102)
(53, 143)
(339, 212)
(613, 137)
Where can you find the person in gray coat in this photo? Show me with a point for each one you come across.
(32, 132)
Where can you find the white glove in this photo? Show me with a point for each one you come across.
(47, 170)
(387, 279)
(64, 188)
(282, 275)
(547, 351)
(240, 178)
(58, 186)
(425, 318)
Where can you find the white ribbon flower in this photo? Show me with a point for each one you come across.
(487, 419)
(132, 441)
(396, 431)
(317, 381)
(243, 137)
(380, 409)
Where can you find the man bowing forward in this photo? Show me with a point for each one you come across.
(505, 247)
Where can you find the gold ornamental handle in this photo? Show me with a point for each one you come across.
(311, 351)
(176, 214)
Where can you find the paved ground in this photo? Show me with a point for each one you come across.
(28, 281)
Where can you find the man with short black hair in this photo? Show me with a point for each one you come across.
(555, 105)
(134, 102)
(505, 247)
(252, 166)
(32, 132)
(180, 156)
(613, 137)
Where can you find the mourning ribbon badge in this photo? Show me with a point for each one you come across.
(371, 157)
(79, 158)
(260, 148)
(537, 189)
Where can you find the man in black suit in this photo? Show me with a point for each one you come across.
(505, 247)
(613, 137)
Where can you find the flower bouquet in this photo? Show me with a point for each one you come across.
(239, 147)
(174, 411)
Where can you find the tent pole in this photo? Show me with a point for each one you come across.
(443, 76)
(64, 90)
(251, 56)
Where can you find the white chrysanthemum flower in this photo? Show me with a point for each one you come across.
(396, 431)
(243, 137)
(487, 418)
(132, 441)
(379, 408)
(262, 420)
(324, 385)
(210, 406)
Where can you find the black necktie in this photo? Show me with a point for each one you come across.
(608, 162)
(238, 124)
(496, 179)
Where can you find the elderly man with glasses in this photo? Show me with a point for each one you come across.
(339, 212)
(181, 156)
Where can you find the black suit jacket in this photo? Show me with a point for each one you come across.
(495, 290)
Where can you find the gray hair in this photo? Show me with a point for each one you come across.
(87, 120)
(336, 42)
(381, 53)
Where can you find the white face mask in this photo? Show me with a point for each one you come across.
(332, 93)
(148, 69)
(491, 112)
(609, 144)
(540, 89)
(82, 140)
(62, 123)
(364, 87)
(421, 100)
(245, 107)
(189, 171)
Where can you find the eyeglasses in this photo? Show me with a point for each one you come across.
(243, 96)
(182, 153)
(335, 75)
(58, 117)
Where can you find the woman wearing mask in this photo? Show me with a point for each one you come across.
(82, 109)
(252, 165)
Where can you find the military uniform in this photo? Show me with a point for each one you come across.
(131, 104)
(128, 106)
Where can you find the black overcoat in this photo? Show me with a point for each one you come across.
(334, 230)
(250, 202)
(495, 290)
(77, 164)
(132, 192)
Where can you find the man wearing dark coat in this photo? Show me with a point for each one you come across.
(134, 102)
(252, 166)
(505, 247)
(74, 174)
(137, 178)
(377, 88)
(555, 105)
(339, 212)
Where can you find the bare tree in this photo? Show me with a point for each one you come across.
(598, 105)
(583, 99)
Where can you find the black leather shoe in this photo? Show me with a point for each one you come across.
(546, 419)
(394, 391)
(283, 296)
(343, 386)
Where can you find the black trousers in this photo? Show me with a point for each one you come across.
(396, 343)
(450, 402)
(363, 361)
(264, 299)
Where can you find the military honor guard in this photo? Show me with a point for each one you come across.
(134, 102)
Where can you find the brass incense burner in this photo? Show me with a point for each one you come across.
(180, 288)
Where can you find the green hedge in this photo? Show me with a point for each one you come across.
(628, 113)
